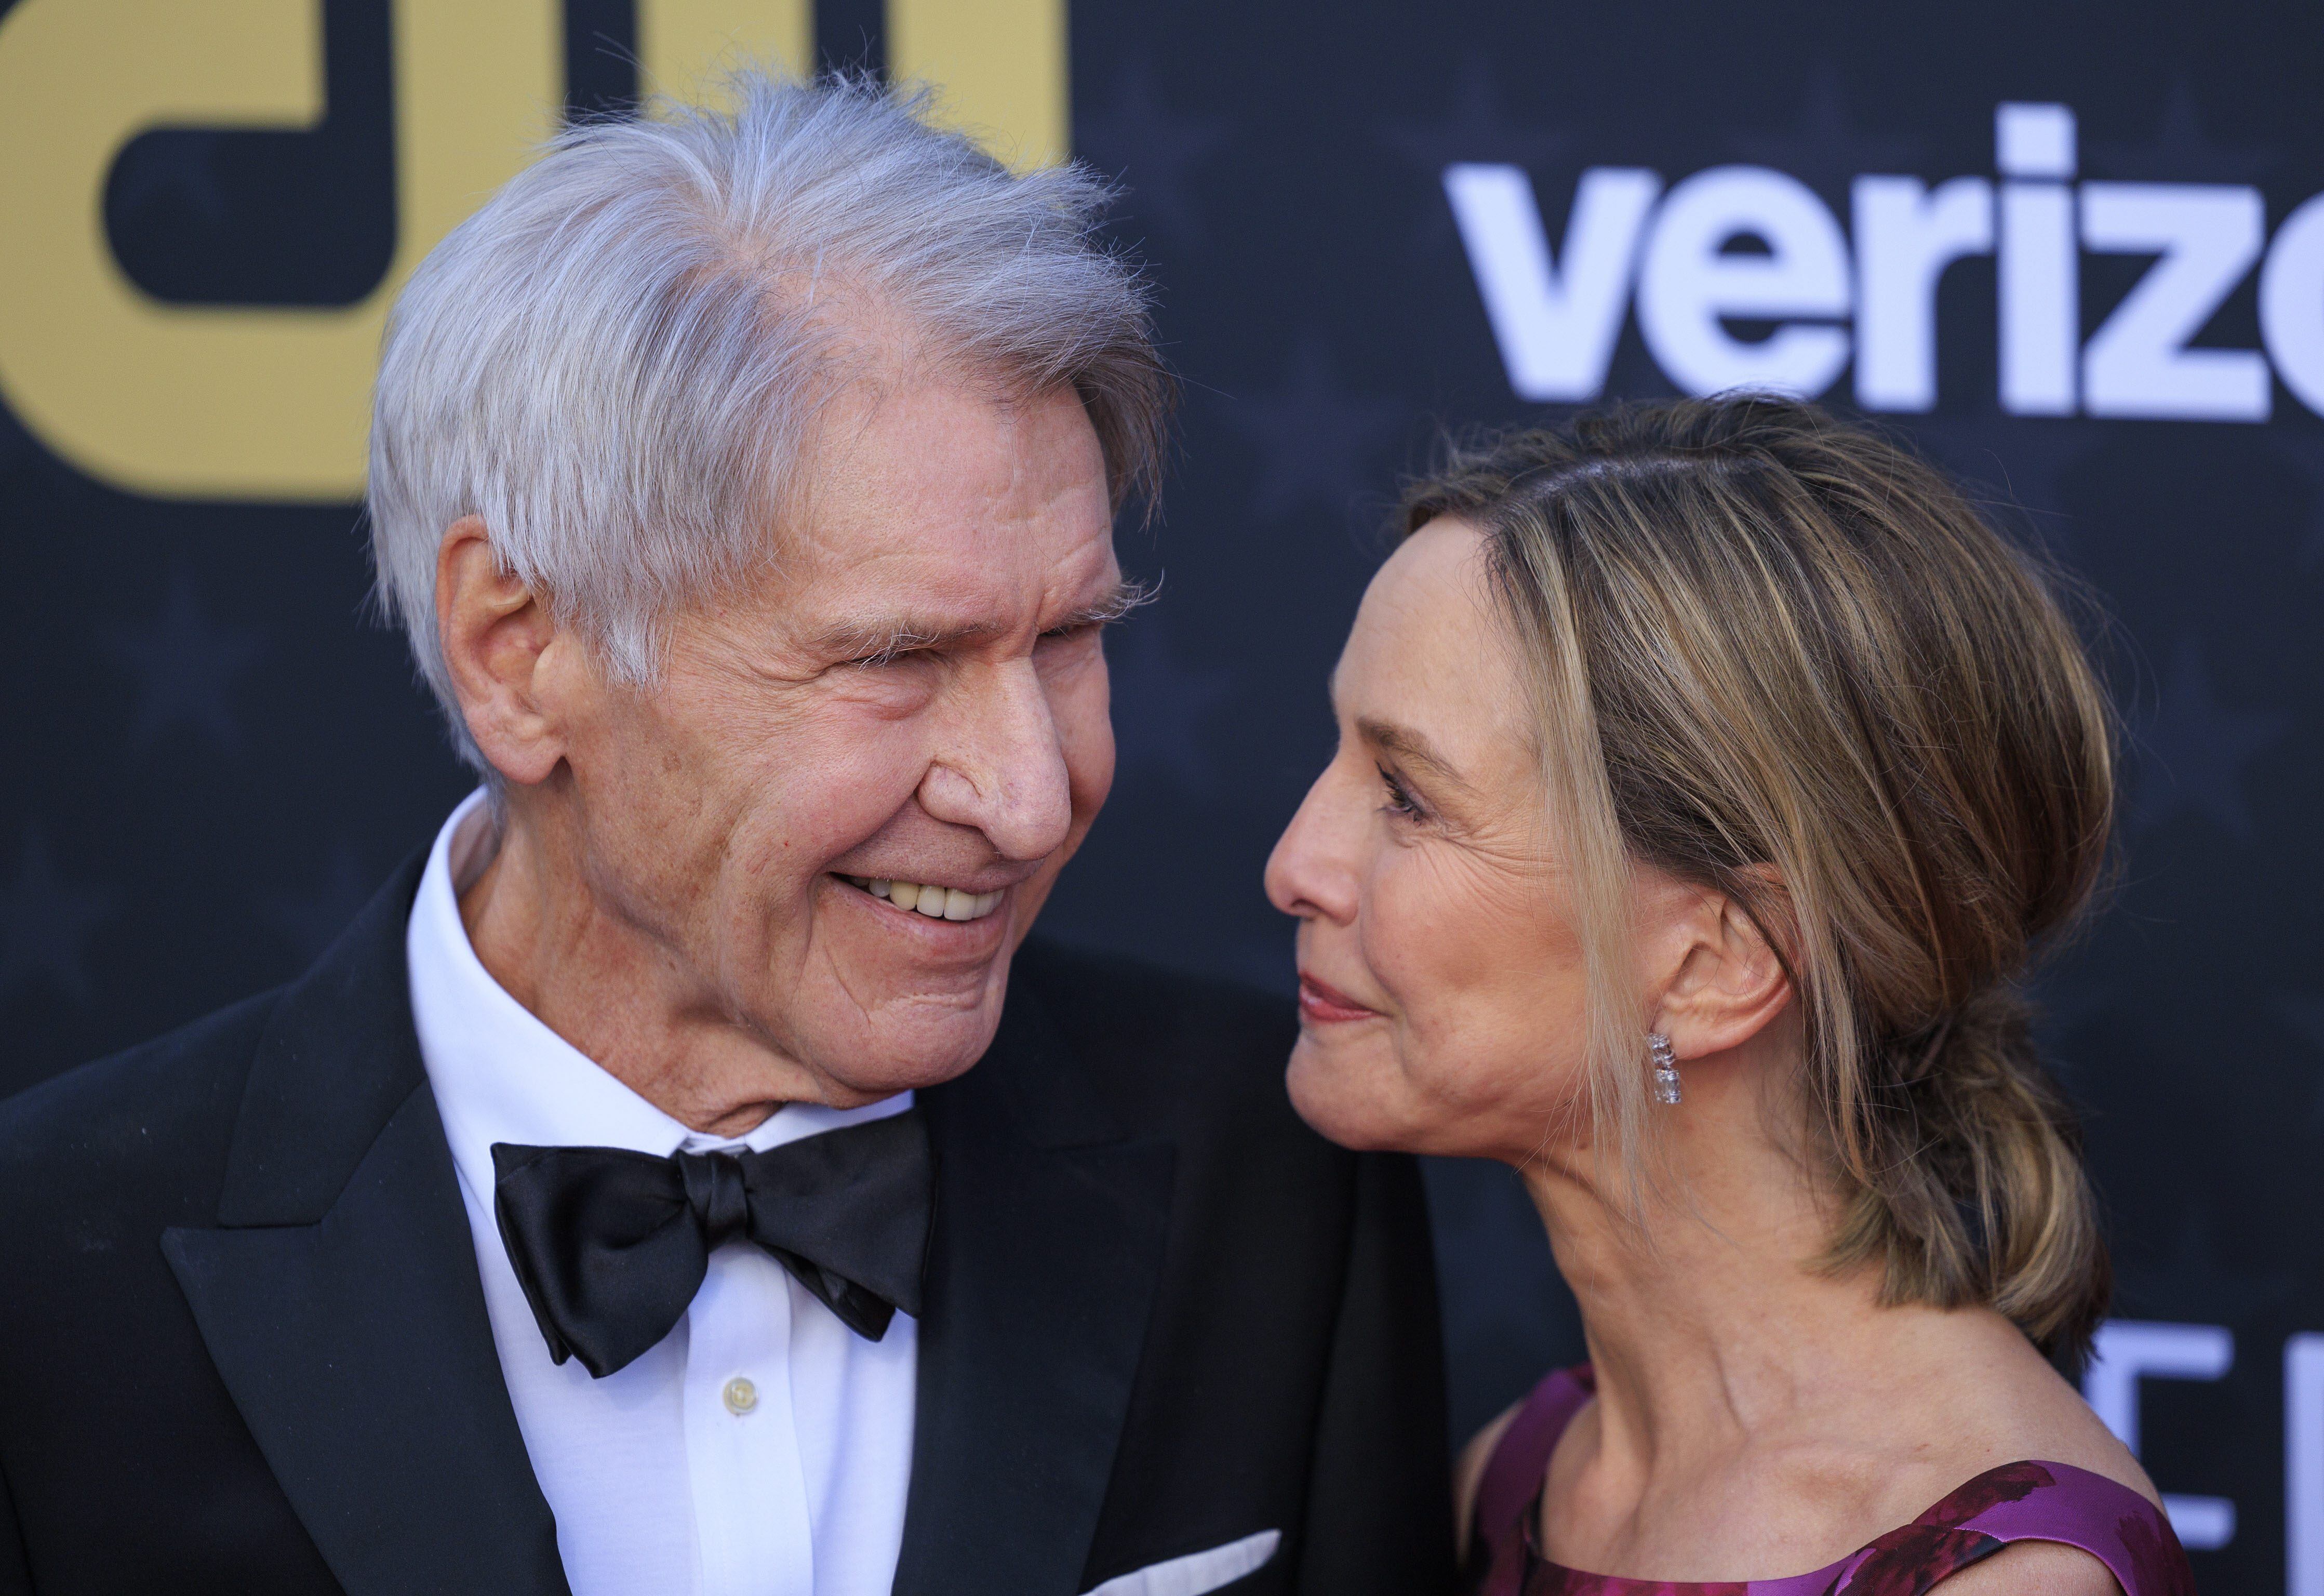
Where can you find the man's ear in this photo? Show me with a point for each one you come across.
(496, 632)
(1726, 982)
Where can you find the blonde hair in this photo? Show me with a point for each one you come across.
(1778, 656)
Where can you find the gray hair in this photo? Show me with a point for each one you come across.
(616, 362)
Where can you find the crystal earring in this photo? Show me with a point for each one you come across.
(1666, 1087)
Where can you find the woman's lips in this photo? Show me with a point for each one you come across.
(1324, 1004)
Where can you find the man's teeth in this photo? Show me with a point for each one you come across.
(939, 903)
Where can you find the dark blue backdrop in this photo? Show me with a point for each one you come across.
(216, 756)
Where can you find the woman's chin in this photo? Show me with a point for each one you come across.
(1364, 1099)
(1344, 1101)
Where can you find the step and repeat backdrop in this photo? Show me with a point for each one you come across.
(2081, 263)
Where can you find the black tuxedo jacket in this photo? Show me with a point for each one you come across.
(242, 1346)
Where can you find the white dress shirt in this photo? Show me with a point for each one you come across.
(763, 1446)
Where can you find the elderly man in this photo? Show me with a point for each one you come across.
(677, 1179)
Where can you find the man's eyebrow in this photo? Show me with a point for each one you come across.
(1119, 600)
(1411, 746)
(885, 637)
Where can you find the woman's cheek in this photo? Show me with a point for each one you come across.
(1403, 932)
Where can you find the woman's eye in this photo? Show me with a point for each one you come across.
(1399, 800)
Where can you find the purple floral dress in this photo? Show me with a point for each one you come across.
(2014, 1502)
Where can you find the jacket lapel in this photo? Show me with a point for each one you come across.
(338, 1294)
(1049, 1226)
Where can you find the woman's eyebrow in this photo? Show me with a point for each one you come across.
(1411, 746)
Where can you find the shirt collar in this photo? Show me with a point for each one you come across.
(500, 1074)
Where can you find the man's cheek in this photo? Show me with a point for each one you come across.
(1085, 733)
(802, 821)
(867, 775)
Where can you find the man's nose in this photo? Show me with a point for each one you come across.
(1001, 766)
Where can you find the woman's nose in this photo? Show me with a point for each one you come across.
(1312, 872)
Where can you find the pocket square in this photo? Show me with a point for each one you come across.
(1198, 1573)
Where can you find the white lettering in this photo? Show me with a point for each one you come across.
(1905, 237)
(2304, 1454)
(2040, 274)
(1745, 245)
(2033, 140)
(2127, 1349)
(2138, 362)
(1687, 284)
(1556, 330)
(2291, 309)
(2040, 300)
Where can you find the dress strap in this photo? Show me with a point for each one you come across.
(1510, 1488)
(2027, 1502)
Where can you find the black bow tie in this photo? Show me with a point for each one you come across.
(611, 1245)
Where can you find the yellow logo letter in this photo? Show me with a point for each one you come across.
(202, 401)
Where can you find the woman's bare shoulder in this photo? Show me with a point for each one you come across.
(2033, 1568)
(2028, 1411)
(1956, 1399)
(1470, 1472)
(1965, 1391)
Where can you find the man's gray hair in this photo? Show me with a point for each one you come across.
(616, 362)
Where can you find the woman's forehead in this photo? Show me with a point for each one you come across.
(1430, 650)
(1430, 605)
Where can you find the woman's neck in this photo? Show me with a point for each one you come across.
(1711, 1325)
(1758, 1413)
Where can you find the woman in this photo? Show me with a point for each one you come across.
(1707, 775)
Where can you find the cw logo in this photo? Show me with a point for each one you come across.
(1556, 321)
(235, 402)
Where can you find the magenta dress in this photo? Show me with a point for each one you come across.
(2021, 1501)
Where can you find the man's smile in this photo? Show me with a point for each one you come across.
(936, 902)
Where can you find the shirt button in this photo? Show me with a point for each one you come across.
(741, 1396)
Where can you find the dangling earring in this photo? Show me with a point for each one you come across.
(1666, 1087)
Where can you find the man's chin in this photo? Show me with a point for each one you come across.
(894, 1018)
(909, 1045)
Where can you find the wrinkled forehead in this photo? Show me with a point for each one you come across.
(877, 374)
(977, 506)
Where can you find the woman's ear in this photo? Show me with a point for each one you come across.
(495, 632)
(1722, 981)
